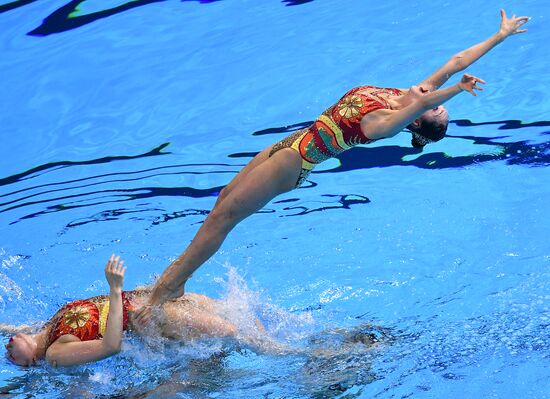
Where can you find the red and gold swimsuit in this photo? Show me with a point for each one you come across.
(86, 319)
(337, 129)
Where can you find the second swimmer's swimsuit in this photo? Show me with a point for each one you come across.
(337, 129)
(87, 319)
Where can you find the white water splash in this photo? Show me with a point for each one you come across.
(9, 290)
(246, 309)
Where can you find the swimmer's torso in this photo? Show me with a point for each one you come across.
(86, 319)
(187, 317)
(344, 117)
(338, 128)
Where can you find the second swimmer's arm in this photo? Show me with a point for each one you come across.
(114, 273)
(68, 350)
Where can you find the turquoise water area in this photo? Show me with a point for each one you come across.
(121, 122)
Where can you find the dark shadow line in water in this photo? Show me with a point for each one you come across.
(129, 194)
(106, 182)
(506, 124)
(125, 174)
(115, 213)
(179, 214)
(357, 158)
(286, 200)
(250, 154)
(61, 20)
(514, 153)
(296, 2)
(15, 4)
(110, 214)
(201, 1)
(60, 164)
(344, 202)
(284, 129)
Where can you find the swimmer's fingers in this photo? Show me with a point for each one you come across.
(113, 263)
(475, 86)
(114, 272)
(511, 26)
(109, 263)
(469, 83)
(519, 22)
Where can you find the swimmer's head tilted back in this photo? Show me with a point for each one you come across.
(431, 126)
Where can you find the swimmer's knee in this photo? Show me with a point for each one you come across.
(222, 218)
(223, 193)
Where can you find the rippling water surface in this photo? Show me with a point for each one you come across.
(121, 122)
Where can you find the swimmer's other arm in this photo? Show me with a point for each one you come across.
(68, 350)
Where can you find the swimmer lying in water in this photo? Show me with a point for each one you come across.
(89, 330)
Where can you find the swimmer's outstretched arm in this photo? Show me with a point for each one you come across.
(465, 58)
(70, 351)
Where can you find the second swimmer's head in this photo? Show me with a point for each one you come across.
(430, 127)
(21, 350)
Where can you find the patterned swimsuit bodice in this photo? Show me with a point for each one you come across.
(339, 127)
(86, 319)
(353, 106)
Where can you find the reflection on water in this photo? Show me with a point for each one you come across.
(36, 171)
(66, 17)
(51, 193)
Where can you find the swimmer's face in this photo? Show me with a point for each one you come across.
(439, 114)
(21, 350)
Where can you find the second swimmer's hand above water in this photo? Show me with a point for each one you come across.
(114, 273)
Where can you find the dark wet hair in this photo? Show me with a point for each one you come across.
(429, 131)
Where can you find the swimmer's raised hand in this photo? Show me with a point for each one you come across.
(469, 83)
(511, 26)
(114, 273)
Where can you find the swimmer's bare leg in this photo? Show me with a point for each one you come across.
(257, 160)
(275, 175)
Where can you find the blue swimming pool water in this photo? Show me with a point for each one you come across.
(122, 121)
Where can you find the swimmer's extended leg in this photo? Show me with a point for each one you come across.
(256, 161)
(273, 176)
